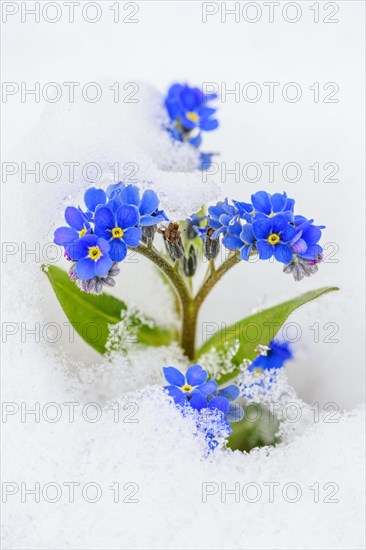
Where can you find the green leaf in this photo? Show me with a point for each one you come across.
(259, 328)
(91, 316)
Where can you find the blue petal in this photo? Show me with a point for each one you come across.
(147, 220)
(118, 250)
(247, 235)
(104, 218)
(93, 197)
(196, 375)
(280, 224)
(262, 228)
(283, 253)
(235, 413)
(103, 233)
(208, 388)
(174, 376)
(279, 201)
(74, 218)
(111, 189)
(262, 202)
(288, 233)
(312, 234)
(198, 401)
(196, 141)
(103, 265)
(299, 246)
(245, 252)
(265, 250)
(219, 403)
(232, 242)
(312, 252)
(131, 195)
(65, 235)
(127, 216)
(209, 124)
(149, 202)
(177, 394)
(104, 245)
(206, 112)
(85, 268)
(132, 236)
(77, 250)
(231, 392)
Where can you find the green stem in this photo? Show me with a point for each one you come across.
(214, 278)
(189, 306)
(170, 271)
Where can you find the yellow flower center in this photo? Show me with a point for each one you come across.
(187, 388)
(273, 238)
(94, 253)
(192, 116)
(82, 232)
(271, 215)
(117, 233)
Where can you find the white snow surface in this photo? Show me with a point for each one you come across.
(157, 458)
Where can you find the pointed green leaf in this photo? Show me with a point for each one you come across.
(259, 328)
(91, 316)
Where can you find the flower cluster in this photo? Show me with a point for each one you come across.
(96, 239)
(192, 390)
(266, 226)
(190, 115)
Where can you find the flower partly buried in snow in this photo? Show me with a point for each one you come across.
(214, 408)
(272, 356)
(119, 229)
(91, 254)
(190, 115)
(190, 388)
(187, 107)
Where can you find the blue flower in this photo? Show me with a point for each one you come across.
(240, 237)
(305, 242)
(267, 205)
(190, 388)
(91, 254)
(273, 235)
(273, 357)
(223, 400)
(188, 108)
(147, 205)
(78, 227)
(221, 216)
(119, 229)
(206, 160)
(93, 198)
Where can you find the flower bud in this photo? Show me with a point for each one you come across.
(173, 241)
(211, 247)
(148, 233)
(190, 263)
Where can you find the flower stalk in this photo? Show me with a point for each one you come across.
(189, 305)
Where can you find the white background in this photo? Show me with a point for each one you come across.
(171, 43)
